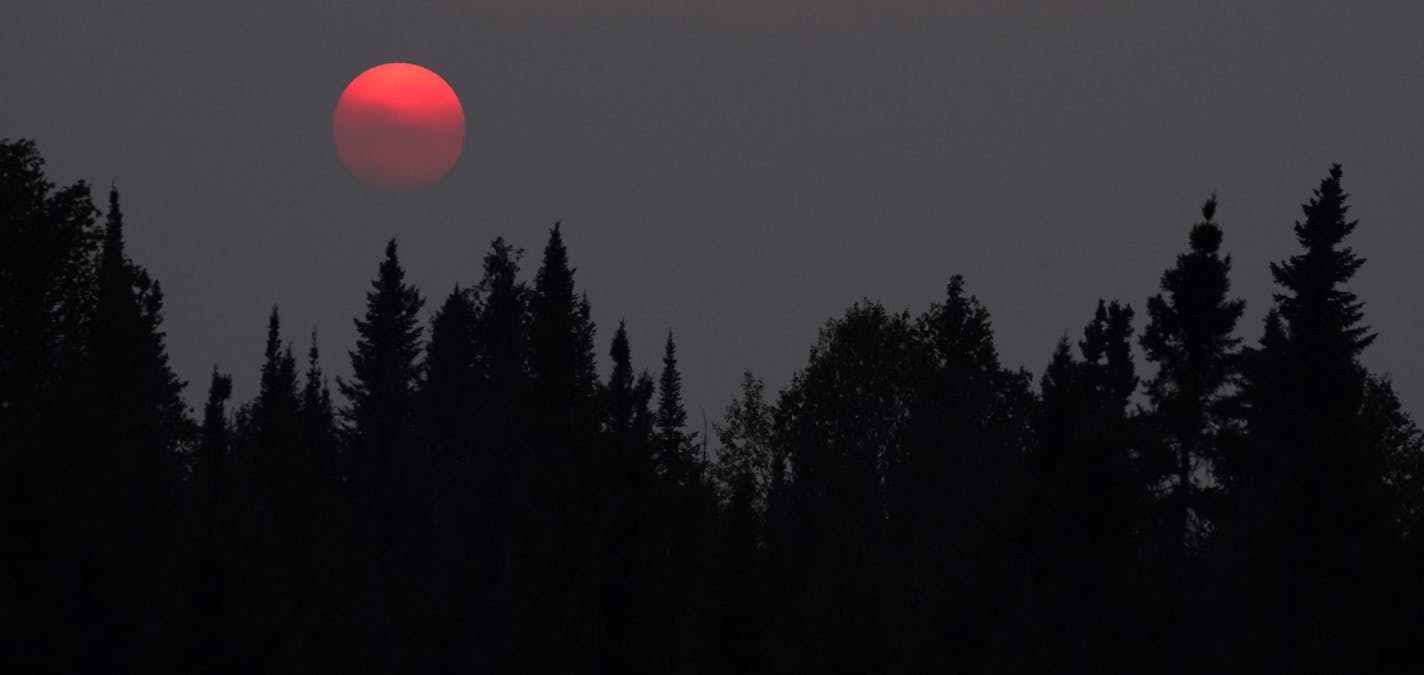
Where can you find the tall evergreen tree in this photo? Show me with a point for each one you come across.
(128, 363)
(122, 451)
(619, 393)
(379, 437)
(1190, 337)
(452, 378)
(564, 415)
(1311, 512)
(449, 475)
(506, 491)
(676, 453)
(385, 367)
(214, 443)
(318, 416)
(561, 358)
(1193, 417)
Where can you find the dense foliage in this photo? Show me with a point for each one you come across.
(479, 499)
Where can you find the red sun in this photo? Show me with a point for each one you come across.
(398, 126)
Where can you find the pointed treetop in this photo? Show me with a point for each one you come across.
(674, 443)
(114, 272)
(1315, 307)
(554, 280)
(1206, 236)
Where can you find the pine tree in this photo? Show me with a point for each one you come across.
(619, 390)
(506, 488)
(564, 413)
(210, 461)
(1310, 491)
(128, 364)
(561, 363)
(380, 443)
(134, 424)
(500, 333)
(452, 383)
(676, 453)
(318, 416)
(385, 367)
(1189, 336)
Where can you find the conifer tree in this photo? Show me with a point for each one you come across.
(452, 383)
(128, 363)
(318, 417)
(500, 333)
(620, 389)
(134, 424)
(210, 460)
(379, 437)
(1190, 337)
(1310, 492)
(676, 454)
(505, 492)
(385, 366)
(564, 423)
(561, 361)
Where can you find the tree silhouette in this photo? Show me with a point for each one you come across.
(675, 451)
(482, 501)
(1190, 336)
(379, 438)
(1309, 489)
(1088, 499)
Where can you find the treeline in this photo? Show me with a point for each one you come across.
(478, 499)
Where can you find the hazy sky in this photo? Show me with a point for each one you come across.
(737, 170)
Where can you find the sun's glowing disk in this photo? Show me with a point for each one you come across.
(398, 126)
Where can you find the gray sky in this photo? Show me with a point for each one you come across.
(737, 170)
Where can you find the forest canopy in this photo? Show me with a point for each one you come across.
(477, 497)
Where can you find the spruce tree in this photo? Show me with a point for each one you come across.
(619, 392)
(134, 424)
(561, 359)
(1310, 491)
(452, 384)
(385, 368)
(506, 488)
(676, 454)
(564, 414)
(318, 417)
(210, 460)
(380, 445)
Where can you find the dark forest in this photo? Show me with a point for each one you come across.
(477, 497)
